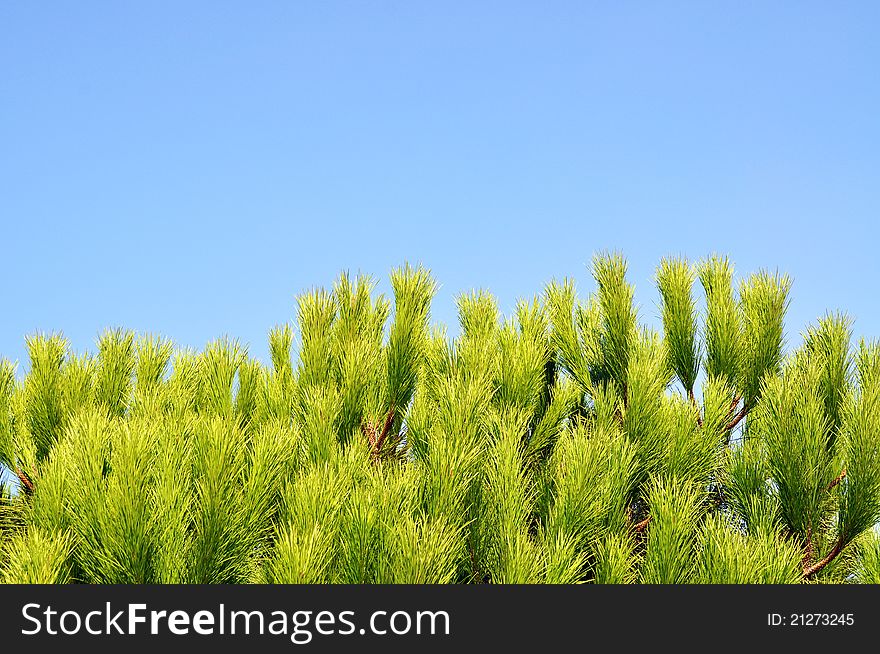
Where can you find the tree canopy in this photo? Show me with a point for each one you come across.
(565, 443)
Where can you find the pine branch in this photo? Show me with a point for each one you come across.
(839, 478)
(386, 428)
(375, 438)
(737, 418)
(26, 483)
(370, 433)
(734, 403)
(809, 571)
(807, 559)
(693, 400)
(641, 525)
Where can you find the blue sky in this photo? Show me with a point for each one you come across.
(189, 168)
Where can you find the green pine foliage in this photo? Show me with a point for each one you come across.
(569, 442)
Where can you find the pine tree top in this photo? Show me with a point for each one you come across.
(566, 443)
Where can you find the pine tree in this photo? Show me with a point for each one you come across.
(566, 443)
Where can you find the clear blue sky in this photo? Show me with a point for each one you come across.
(188, 168)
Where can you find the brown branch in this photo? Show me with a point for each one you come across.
(386, 428)
(737, 418)
(807, 558)
(809, 571)
(370, 433)
(839, 478)
(696, 406)
(733, 404)
(377, 440)
(26, 482)
(642, 525)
